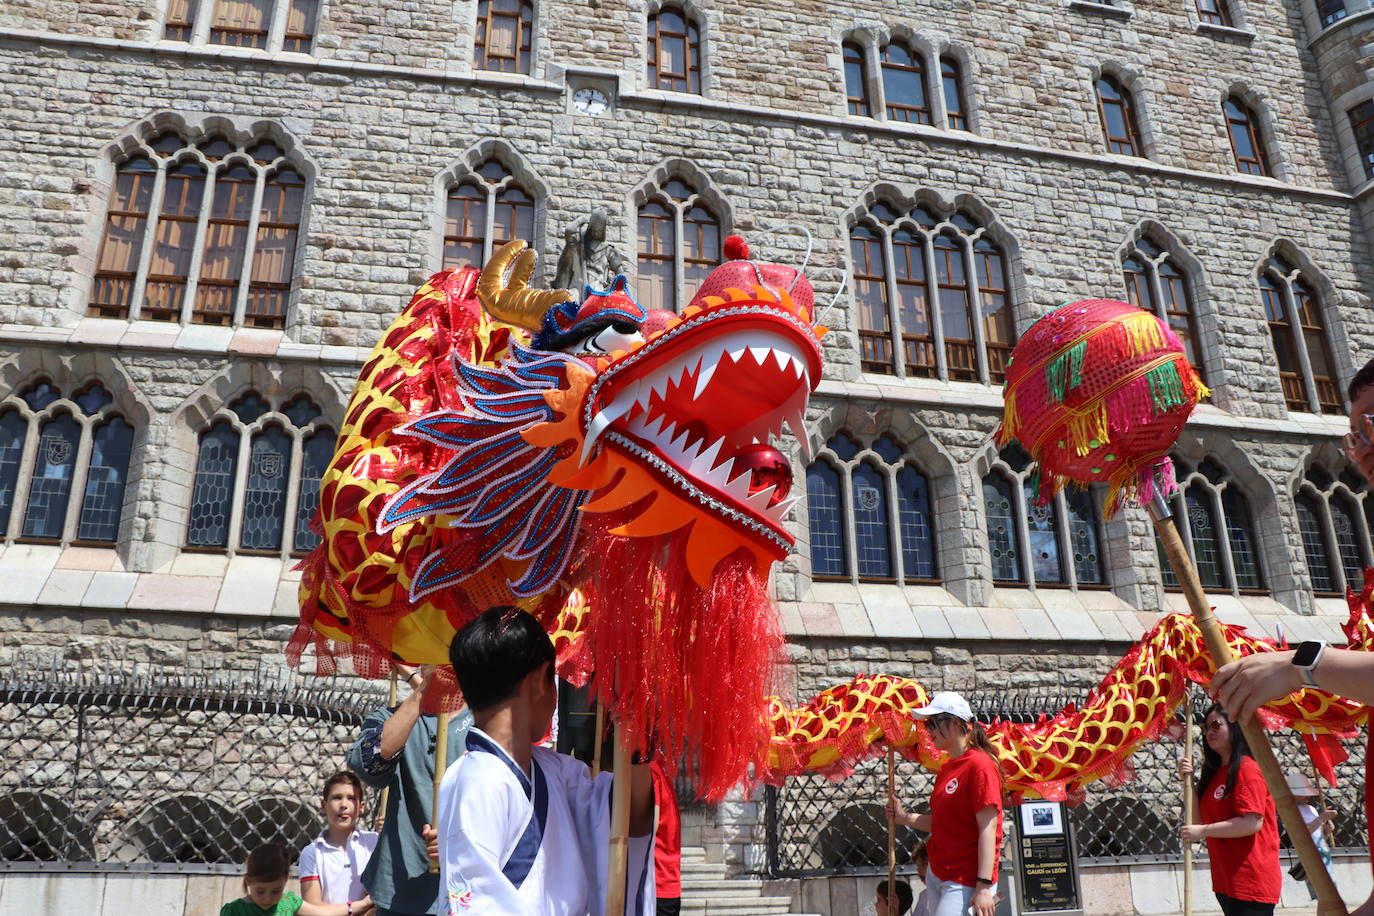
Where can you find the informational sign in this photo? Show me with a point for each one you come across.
(1045, 859)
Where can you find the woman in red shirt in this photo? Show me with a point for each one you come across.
(965, 819)
(1235, 815)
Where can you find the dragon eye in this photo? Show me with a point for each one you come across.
(625, 327)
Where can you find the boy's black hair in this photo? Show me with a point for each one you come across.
(904, 895)
(1363, 379)
(495, 652)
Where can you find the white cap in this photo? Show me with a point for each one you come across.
(948, 703)
(1299, 784)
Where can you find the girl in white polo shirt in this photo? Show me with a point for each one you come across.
(331, 867)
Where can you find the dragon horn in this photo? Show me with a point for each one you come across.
(513, 302)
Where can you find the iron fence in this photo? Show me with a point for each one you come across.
(815, 827)
(178, 771)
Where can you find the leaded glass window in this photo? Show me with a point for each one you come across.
(1219, 534)
(213, 493)
(880, 484)
(913, 296)
(870, 500)
(244, 497)
(678, 243)
(108, 473)
(204, 263)
(823, 510)
(49, 440)
(1003, 543)
(1029, 543)
(315, 458)
(1334, 522)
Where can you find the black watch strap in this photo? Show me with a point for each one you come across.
(988, 882)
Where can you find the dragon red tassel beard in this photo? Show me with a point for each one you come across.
(611, 474)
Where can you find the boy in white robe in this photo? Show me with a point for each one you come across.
(525, 831)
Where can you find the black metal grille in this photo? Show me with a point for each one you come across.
(816, 827)
(166, 771)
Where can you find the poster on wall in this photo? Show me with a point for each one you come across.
(1046, 865)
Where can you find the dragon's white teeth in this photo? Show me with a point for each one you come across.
(739, 487)
(796, 421)
(760, 354)
(783, 359)
(778, 512)
(704, 379)
(736, 353)
(759, 501)
(608, 415)
(705, 459)
(719, 477)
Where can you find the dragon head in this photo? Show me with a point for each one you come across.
(666, 420)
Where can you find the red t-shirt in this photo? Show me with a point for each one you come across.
(668, 837)
(965, 785)
(1247, 867)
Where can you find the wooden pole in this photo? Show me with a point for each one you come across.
(440, 765)
(1188, 796)
(1329, 901)
(891, 831)
(618, 866)
(599, 738)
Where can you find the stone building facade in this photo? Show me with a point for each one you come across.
(1065, 150)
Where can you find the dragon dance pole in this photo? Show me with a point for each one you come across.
(1188, 801)
(618, 865)
(1329, 901)
(440, 765)
(891, 828)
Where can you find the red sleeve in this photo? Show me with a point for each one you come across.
(987, 784)
(1251, 795)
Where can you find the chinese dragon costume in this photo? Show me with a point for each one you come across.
(608, 468)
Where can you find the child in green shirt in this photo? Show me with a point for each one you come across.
(264, 885)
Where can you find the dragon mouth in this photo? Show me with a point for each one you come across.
(701, 400)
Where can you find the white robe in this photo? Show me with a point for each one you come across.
(512, 847)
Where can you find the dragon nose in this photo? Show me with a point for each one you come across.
(767, 468)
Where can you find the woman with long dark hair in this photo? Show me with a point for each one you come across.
(965, 819)
(1235, 816)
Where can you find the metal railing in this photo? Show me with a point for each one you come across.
(815, 827)
(166, 770)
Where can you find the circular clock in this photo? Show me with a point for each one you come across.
(590, 101)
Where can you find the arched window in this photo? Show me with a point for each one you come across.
(211, 195)
(1214, 12)
(1298, 335)
(1116, 107)
(674, 51)
(262, 24)
(1334, 521)
(64, 463)
(486, 210)
(856, 79)
(1362, 126)
(1155, 283)
(1029, 544)
(952, 81)
(1247, 144)
(503, 35)
(1219, 534)
(969, 334)
(679, 239)
(853, 495)
(258, 473)
(905, 91)
(1330, 11)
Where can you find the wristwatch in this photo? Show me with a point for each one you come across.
(1305, 659)
(985, 882)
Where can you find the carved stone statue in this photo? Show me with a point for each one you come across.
(587, 258)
